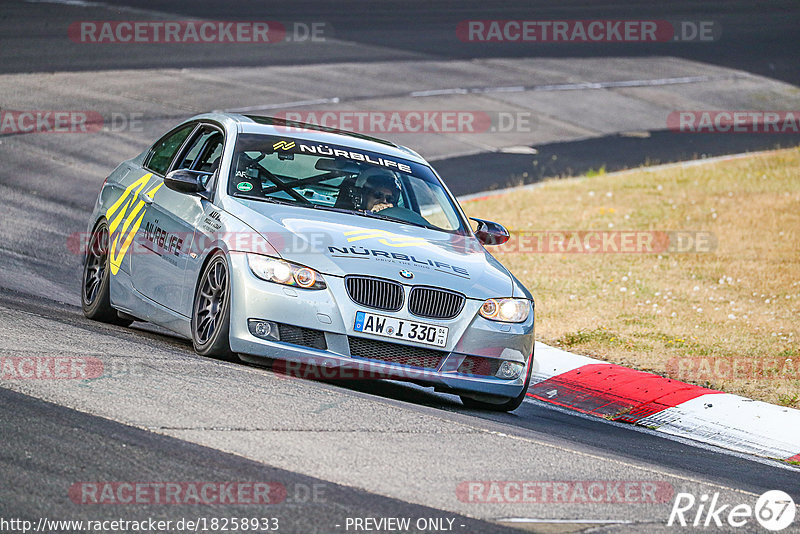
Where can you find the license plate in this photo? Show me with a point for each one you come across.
(381, 325)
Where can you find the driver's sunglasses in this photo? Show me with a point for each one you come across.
(387, 197)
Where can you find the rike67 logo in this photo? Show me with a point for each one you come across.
(774, 510)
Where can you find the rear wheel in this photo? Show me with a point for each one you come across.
(211, 312)
(501, 406)
(95, 292)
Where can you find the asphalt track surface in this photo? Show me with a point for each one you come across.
(761, 39)
(376, 449)
(302, 503)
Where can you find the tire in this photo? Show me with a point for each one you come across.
(508, 406)
(95, 292)
(211, 310)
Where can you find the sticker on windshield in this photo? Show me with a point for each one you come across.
(244, 186)
(325, 150)
(283, 145)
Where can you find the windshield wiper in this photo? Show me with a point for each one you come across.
(331, 208)
(375, 215)
(274, 200)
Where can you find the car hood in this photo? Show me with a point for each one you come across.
(340, 244)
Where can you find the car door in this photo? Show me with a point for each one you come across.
(126, 215)
(168, 226)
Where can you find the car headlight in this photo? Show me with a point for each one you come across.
(283, 272)
(506, 310)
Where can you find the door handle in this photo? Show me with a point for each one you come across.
(149, 196)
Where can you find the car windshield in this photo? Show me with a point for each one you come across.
(313, 175)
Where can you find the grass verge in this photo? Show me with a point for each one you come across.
(727, 317)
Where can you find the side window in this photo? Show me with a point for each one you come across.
(204, 152)
(164, 150)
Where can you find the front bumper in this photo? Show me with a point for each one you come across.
(331, 313)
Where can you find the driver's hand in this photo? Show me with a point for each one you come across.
(382, 206)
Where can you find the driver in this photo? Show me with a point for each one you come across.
(381, 189)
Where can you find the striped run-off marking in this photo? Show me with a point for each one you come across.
(673, 407)
(614, 392)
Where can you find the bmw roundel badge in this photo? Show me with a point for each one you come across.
(406, 274)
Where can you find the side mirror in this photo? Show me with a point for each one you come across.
(185, 181)
(490, 233)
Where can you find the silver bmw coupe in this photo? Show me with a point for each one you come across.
(273, 241)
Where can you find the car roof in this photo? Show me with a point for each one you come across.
(311, 132)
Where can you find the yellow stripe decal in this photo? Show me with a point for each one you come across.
(120, 213)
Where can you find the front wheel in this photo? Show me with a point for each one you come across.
(95, 290)
(508, 406)
(211, 312)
